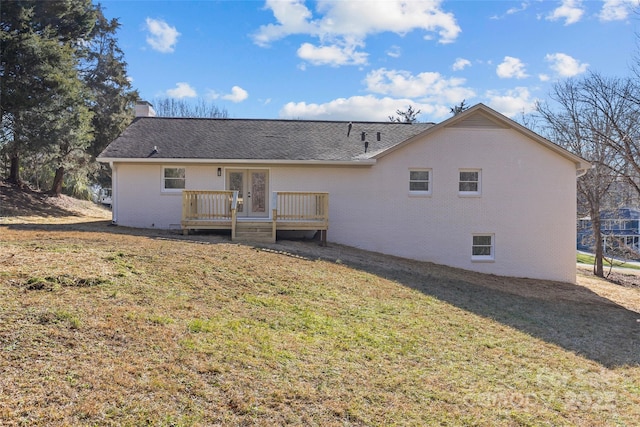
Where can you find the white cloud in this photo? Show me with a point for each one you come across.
(332, 55)
(544, 77)
(512, 11)
(523, 6)
(293, 18)
(162, 37)
(344, 25)
(460, 64)
(369, 108)
(570, 10)
(394, 51)
(564, 65)
(512, 102)
(182, 90)
(237, 94)
(511, 68)
(429, 87)
(357, 19)
(617, 10)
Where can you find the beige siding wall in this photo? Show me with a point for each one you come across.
(527, 202)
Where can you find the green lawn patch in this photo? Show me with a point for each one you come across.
(589, 259)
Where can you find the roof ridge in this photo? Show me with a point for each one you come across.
(239, 119)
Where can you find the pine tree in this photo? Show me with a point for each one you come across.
(38, 67)
(65, 92)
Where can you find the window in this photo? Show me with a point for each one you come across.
(469, 183)
(173, 179)
(420, 181)
(482, 247)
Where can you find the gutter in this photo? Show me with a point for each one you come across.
(582, 171)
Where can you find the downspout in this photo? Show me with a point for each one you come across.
(114, 194)
(582, 171)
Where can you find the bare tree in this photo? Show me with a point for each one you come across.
(459, 108)
(618, 101)
(578, 126)
(171, 107)
(408, 116)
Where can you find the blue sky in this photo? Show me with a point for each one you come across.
(363, 60)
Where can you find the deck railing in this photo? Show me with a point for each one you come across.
(300, 206)
(291, 210)
(208, 205)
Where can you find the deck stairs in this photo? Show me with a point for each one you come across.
(254, 232)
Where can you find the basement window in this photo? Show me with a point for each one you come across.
(482, 247)
(173, 179)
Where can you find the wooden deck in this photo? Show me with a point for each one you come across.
(291, 210)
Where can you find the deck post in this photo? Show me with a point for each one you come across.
(274, 213)
(233, 223)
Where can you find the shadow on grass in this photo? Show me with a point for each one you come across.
(570, 316)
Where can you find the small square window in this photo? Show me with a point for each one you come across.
(482, 247)
(173, 179)
(420, 181)
(469, 183)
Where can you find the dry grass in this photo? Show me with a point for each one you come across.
(105, 325)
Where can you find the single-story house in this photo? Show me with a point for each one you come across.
(477, 191)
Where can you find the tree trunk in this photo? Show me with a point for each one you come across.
(56, 188)
(598, 269)
(14, 170)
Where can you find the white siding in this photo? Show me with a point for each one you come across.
(528, 202)
(141, 201)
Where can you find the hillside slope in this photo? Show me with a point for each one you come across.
(23, 201)
(103, 325)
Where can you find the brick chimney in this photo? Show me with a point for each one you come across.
(144, 109)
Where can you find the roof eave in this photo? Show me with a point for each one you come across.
(361, 162)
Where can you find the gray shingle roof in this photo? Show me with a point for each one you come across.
(252, 139)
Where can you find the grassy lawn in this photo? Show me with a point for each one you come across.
(590, 260)
(107, 326)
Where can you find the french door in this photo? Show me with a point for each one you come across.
(252, 186)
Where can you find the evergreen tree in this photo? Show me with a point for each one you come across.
(104, 72)
(39, 42)
(112, 96)
(65, 93)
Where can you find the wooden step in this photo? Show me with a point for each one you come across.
(258, 231)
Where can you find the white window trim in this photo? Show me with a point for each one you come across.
(484, 258)
(162, 180)
(419, 193)
(470, 193)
